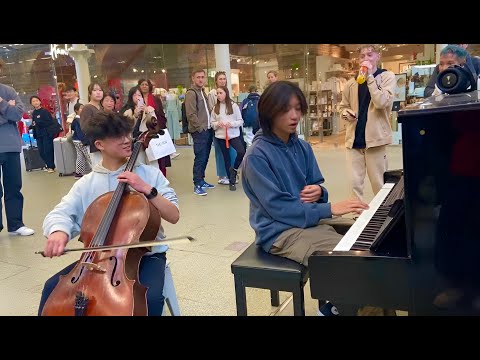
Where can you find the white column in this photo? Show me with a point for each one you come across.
(429, 52)
(80, 53)
(222, 61)
(438, 48)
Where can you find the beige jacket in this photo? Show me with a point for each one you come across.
(378, 130)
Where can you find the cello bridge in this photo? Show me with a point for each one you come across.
(93, 267)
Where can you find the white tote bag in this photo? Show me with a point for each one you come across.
(160, 147)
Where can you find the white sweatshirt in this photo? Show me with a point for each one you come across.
(67, 216)
(234, 119)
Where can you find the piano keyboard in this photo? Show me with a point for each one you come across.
(368, 225)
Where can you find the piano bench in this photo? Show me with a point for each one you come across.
(256, 268)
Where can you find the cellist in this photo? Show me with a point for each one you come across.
(111, 134)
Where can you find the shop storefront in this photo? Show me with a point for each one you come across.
(320, 70)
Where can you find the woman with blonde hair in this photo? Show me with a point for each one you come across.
(272, 76)
(220, 80)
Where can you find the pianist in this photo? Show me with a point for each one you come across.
(289, 208)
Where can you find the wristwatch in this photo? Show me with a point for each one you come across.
(152, 194)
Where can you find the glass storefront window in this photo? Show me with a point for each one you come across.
(320, 70)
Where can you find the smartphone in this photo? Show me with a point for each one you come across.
(140, 102)
(351, 114)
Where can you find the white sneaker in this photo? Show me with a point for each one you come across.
(174, 155)
(224, 181)
(23, 231)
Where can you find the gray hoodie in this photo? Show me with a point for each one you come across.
(67, 216)
(10, 140)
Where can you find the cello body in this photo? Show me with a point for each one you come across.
(109, 282)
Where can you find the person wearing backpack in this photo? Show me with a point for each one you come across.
(249, 108)
(197, 113)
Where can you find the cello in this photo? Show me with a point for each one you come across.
(107, 282)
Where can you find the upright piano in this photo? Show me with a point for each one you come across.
(418, 246)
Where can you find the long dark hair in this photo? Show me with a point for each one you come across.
(275, 101)
(228, 102)
(130, 105)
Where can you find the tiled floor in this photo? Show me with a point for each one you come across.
(201, 270)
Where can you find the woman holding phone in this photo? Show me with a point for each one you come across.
(138, 113)
(146, 89)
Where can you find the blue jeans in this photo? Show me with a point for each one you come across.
(202, 145)
(11, 173)
(152, 276)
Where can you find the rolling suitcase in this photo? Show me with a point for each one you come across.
(33, 160)
(65, 156)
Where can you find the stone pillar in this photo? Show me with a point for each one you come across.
(80, 53)
(222, 62)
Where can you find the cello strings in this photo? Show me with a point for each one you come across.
(103, 228)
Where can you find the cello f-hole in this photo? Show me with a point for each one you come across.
(112, 280)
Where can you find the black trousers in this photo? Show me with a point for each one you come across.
(11, 174)
(45, 147)
(239, 148)
(152, 275)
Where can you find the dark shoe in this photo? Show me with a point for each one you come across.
(232, 187)
(232, 176)
(328, 310)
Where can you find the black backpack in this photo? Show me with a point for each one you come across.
(184, 112)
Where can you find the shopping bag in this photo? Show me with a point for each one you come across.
(160, 147)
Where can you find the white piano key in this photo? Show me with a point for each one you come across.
(354, 232)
